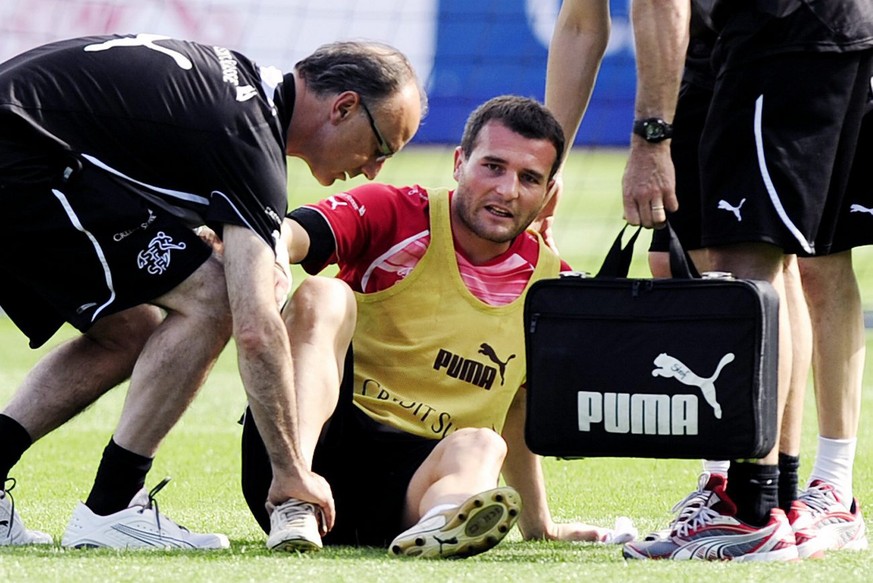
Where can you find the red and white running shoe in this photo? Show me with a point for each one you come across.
(712, 532)
(821, 522)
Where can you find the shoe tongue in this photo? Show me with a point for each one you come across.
(141, 498)
(720, 501)
(715, 481)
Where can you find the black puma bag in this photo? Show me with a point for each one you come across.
(656, 368)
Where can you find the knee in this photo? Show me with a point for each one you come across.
(322, 303)
(126, 331)
(209, 301)
(485, 443)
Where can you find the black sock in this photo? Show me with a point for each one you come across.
(15, 440)
(788, 466)
(120, 476)
(755, 491)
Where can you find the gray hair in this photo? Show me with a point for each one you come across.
(373, 70)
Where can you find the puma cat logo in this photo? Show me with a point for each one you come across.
(726, 206)
(486, 349)
(147, 41)
(336, 203)
(669, 366)
(856, 208)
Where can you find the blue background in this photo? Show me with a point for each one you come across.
(486, 48)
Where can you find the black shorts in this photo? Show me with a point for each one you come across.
(368, 465)
(691, 110)
(77, 245)
(778, 147)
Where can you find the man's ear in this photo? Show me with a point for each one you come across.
(343, 105)
(459, 161)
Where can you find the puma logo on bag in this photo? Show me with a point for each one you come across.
(726, 206)
(669, 366)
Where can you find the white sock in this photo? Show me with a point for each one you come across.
(833, 464)
(436, 510)
(716, 466)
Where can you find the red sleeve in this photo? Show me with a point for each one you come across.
(368, 220)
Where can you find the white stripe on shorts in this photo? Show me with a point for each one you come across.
(100, 256)
(768, 182)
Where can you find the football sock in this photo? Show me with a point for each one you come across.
(833, 464)
(15, 440)
(788, 466)
(716, 466)
(755, 491)
(120, 476)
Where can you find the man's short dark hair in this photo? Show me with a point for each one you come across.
(522, 115)
(372, 70)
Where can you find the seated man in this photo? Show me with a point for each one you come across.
(431, 290)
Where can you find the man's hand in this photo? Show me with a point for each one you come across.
(310, 487)
(649, 184)
(545, 220)
(623, 531)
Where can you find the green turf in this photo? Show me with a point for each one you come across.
(202, 456)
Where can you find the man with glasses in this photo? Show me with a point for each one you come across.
(112, 149)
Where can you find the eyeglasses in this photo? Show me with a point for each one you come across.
(385, 150)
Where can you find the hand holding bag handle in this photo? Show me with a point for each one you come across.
(618, 259)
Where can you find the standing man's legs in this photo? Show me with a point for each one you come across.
(62, 384)
(169, 372)
(827, 516)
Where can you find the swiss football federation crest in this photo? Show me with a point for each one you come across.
(156, 258)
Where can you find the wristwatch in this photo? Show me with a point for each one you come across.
(653, 129)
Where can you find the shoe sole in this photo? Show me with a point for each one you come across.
(300, 545)
(479, 524)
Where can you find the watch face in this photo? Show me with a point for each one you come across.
(654, 131)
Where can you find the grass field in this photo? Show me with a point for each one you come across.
(202, 456)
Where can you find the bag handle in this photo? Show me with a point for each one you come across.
(618, 259)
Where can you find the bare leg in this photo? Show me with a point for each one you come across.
(464, 463)
(176, 359)
(838, 362)
(801, 354)
(321, 320)
(75, 374)
(838, 358)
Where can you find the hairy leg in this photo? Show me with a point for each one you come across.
(76, 373)
(176, 359)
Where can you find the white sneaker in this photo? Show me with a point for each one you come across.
(469, 529)
(12, 530)
(294, 526)
(139, 526)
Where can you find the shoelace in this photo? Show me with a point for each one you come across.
(700, 517)
(685, 508)
(817, 499)
(153, 504)
(7, 491)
